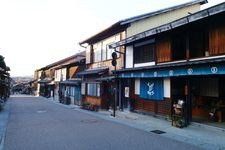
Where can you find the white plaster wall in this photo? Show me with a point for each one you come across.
(155, 21)
(129, 56)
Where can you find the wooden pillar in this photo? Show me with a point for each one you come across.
(188, 105)
(187, 46)
(120, 94)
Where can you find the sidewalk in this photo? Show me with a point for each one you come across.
(4, 116)
(203, 136)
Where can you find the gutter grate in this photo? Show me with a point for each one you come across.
(158, 131)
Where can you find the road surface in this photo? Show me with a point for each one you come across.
(35, 123)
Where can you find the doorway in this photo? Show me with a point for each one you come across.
(180, 92)
(208, 100)
(127, 90)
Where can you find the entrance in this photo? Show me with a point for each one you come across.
(204, 98)
(208, 100)
(127, 87)
(179, 92)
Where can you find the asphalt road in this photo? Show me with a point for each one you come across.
(37, 124)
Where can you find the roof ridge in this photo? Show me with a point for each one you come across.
(160, 11)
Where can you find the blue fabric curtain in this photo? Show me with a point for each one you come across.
(151, 89)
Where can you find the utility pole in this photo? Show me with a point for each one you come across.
(115, 90)
(114, 63)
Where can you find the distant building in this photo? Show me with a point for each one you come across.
(50, 77)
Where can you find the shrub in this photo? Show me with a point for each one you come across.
(89, 106)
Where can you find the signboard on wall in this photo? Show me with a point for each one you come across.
(126, 92)
(151, 89)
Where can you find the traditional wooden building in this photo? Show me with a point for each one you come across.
(98, 81)
(180, 60)
(45, 81)
(69, 89)
(49, 77)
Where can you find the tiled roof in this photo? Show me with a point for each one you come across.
(172, 25)
(124, 23)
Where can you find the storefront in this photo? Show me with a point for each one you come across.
(97, 87)
(46, 88)
(199, 84)
(71, 89)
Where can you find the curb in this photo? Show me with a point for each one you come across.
(4, 116)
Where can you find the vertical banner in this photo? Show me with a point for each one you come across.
(151, 89)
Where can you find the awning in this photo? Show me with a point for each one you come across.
(109, 78)
(70, 82)
(45, 81)
(187, 70)
(98, 71)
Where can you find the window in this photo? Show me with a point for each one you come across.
(179, 47)
(144, 52)
(198, 41)
(97, 52)
(93, 89)
(109, 52)
(83, 88)
(102, 51)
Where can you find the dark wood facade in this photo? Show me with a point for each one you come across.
(163, 48)
(192, 42)
(192, 57)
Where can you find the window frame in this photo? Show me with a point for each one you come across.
(93, 89)
(138, 48)
(101, 50)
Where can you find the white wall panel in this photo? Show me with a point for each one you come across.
(137, 87)
(129, 56)
(167, 87)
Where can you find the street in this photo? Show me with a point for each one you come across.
(35, 123)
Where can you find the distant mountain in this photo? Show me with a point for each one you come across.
(25, 76)
(23, 79)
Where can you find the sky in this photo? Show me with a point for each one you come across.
(35, 33)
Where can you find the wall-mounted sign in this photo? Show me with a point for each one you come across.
(126, 91)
